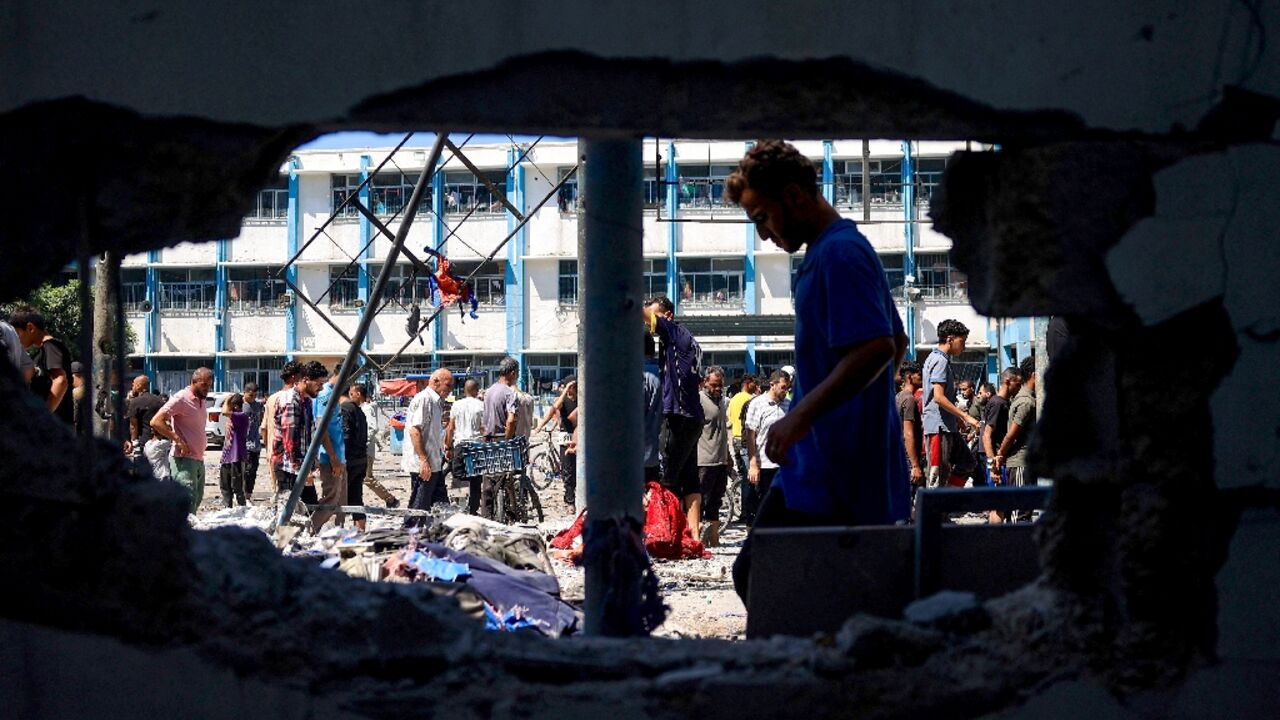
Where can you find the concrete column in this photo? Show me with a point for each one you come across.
(909, 241)
(673, 228)
(610, 252)
(514, 280)
(749, 284)
(827, 173)
(438, 234)
(293, 235)
(366, 234)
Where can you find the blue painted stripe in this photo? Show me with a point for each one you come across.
(673, 228)
(366, 234)
(909, 239)
(749, 284)
(293, 235)
(514, 279)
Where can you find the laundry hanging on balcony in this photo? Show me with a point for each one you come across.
(447, 288)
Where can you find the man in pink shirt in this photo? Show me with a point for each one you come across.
(187, 412)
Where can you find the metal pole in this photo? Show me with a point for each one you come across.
(357, 341)
(866, 180)
(610, 251)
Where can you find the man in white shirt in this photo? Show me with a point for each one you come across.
(767, 409)
(423, 457)
(466, 425)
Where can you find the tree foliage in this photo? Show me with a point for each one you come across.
(60, 305)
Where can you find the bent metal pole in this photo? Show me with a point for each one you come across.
(357, 340)
(610, 253)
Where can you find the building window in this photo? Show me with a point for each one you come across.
(885, 177)
(191, 289)
(272, 202)
(133, 289)
(488, 286)
(702, 186)
(567, 198)
(252, 289)
(389, 192)
(344, 286)
(545, 372)
(465, 193)
(937, 279)
(734, 364)
(568, 282)
(711, 283)
(892, 263)
(404, 286)
(928, 175)
(655, 277)
(341, 187)
(769, 360)
(174, 373)
(263, 372)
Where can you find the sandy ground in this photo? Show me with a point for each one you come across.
(698, 593)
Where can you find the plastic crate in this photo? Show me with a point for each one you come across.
(494, 458)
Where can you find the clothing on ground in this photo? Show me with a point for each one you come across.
(851, 464)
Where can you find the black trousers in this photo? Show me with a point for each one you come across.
(569, 474)
(773, 512)
(424, 493)
(231, 482)
(754, 494)
(680, 456)
(355, 484)
(251, 472)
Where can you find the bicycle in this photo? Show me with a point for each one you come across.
(546, 464)
(515, 499)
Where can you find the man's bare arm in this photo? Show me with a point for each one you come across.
(909, 437)
(510, 430)
(944, 402)
(57, 388)
(987, 448)
(1015, 431)
(448, 434)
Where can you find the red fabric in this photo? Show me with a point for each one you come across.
(452, 289)
(934, 453)
(666, 529)
(401, 388)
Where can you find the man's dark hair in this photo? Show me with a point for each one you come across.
(663, 302)
(1028, 366)
(337, 368)
(777, 375)
(251, 387)
(965, 381)
(988, 387)
(27, 314)
(908, 367)
(747, 380)
(364, 389)
(314, 370)
(948, 329)
(713, 370)
(290, 371)
(768, 168)
(1010, 373)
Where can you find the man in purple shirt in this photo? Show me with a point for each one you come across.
(678, 359)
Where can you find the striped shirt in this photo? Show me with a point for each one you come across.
(294, 424)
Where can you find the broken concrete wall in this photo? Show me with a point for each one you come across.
(1159, 427)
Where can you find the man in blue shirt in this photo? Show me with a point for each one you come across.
(950, 461)
(840, 446)
(332, 459)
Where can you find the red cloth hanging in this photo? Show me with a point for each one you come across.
(666, 529)
(399, 388)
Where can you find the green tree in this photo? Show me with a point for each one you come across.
(60, 305)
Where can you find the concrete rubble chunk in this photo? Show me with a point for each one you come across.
(951, 611)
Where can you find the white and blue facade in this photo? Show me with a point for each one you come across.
(219, 304)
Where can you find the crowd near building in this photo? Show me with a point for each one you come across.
(224, 305)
